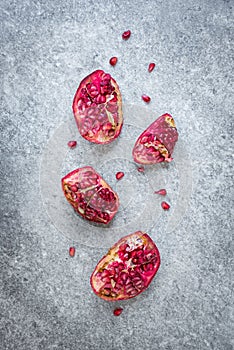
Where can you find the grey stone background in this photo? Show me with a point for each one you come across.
(47, 47)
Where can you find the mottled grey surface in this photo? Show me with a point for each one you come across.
(47, 47)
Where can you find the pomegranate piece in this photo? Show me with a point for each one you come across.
(146, 98)
(113, 61)
(72, 251)
(90, 195)
(157, 142)
(151, 67)
(127, 269)
(118, 311)
(165, 205)
(119, 175)
(162, 192)
(97, 107)
(126, 35)
(72, 144)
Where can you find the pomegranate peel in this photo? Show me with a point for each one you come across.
(97, 108)
(157, 142)
(127, 269)
(90, 195)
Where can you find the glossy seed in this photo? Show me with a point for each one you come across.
(141, 169)
(118, 311)
(162, 192)
(72, 144)
(113, 61)
(165, 205)
(74, 188)
(151, 67)
(119, 175)
(146, 98)
(126, 35)
(72, 251)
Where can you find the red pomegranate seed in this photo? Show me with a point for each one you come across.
(118, 311)
(126, 35)
(119, 175)
(113, 61)
(146, 98)
(162, 192)
(72, 251)
(165, 205)
(151, 67)
(72, 144)
(141, 169)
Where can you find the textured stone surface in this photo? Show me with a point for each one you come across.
(47, 47)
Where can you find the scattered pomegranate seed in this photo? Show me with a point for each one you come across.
(141, 169)
(72, 144)
(146, 98)
(126, 35)
(165, 205)
(113, 61)
(72, 251)
(162, 192)
(119, 175)
(118, 311)
(151, 67)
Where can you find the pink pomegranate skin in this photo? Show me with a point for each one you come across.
(157, 142)
(90, 195)
(97, 107)
(127, 269)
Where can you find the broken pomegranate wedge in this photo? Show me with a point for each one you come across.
(157, 142)
(97, 107)
(127, 269)
(90, 195)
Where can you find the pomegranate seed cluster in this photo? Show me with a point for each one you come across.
(90, 195)
(97, 108)
(128, 268)
(156, 143)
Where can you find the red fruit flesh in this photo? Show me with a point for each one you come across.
(97, 107)
(151, 67)
(146, 98)
(126, 35)
(119, 175)
(127, 269)
(165, 205)
(118, 311)
(113, 61)
(162, 192)
(90, 195)
(157, 142)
